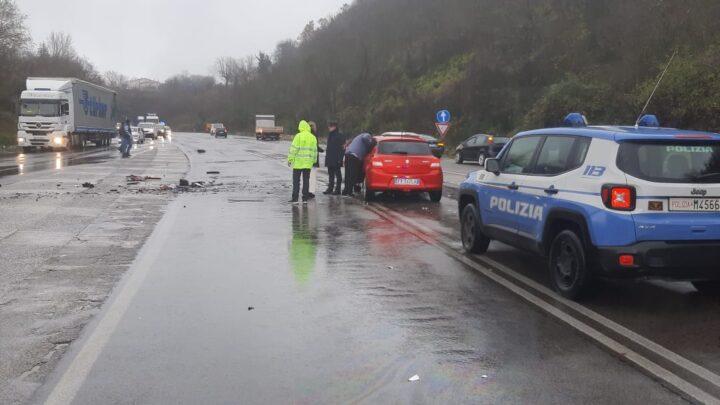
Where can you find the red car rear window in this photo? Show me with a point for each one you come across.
(403, 148)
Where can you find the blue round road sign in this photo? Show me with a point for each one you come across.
(442, 116)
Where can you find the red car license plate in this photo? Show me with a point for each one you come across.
(407, 182)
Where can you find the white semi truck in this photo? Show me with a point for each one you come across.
(65, 113)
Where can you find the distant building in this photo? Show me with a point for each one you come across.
(143, 84)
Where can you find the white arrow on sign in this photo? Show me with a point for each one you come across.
(442, 128)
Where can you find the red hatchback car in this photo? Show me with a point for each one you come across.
(403, 164)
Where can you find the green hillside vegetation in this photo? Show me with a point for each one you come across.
(499, 65)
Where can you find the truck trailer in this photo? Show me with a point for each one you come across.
(65, 113)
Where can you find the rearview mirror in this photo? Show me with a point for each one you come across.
(493, 166)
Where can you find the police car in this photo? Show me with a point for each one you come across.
(602, 201)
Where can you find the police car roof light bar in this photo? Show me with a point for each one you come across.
(575, 120)
(648, 120)
(662, 75)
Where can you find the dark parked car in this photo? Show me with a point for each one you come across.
(437, 146)
(479, 147)
(220, 132)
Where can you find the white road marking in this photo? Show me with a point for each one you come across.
(683, 386)
(75, 375)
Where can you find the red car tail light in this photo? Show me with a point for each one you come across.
(618, 197)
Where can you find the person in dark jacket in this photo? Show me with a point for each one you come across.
(126, 140)
(355, 154)
(334, 156)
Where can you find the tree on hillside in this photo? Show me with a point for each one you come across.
(227, 68)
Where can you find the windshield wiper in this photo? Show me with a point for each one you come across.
(706, 176)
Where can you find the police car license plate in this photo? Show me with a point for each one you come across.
(407, 182)
(695, 204)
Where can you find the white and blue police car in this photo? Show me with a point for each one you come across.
(602, 201)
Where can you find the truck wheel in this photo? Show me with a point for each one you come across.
(435, 196)
(473, 239)
(569, 273)
(708, 287)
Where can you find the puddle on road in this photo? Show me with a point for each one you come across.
(57, 160)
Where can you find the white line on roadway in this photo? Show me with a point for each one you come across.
(680, 384)
(75, 375)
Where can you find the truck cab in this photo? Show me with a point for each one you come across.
(64, 113)
(44, 119)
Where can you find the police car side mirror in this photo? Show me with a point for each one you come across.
(493, 166)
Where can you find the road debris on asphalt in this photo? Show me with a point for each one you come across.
(201, 151)
(136, 179)
(88, 185)
(251, 308)
(213, 172)
(414, 378)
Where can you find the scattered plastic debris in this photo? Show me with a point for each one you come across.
(251, 308)
(213, 172)
(135, 179)
(184, 183)
(390, 268)
(201, 151)
(88, 185)
(484, 376)
(414, 378)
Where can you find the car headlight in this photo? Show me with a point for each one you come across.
(58, 140)
(21, 140)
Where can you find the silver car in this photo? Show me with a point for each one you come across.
(138, 135)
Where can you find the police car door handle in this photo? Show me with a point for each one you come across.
(551, 190)
(513, 186)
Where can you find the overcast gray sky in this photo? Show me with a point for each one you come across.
(159, 38)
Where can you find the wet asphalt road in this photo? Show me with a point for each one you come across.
(63, 246)
(239, 297)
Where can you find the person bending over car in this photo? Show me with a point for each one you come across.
(354, 157)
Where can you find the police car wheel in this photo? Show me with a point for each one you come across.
(710, 287)
(568, 267)
(473, 240)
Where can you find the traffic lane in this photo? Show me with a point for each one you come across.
(62, 249)
(24, 163)
(672, 314)
(245, 298)
(456, 173)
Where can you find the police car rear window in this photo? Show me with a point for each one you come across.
(671, 162)
(403, 148)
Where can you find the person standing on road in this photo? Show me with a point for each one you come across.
(302, 157)
(354, 157)
(125, 138)
(313, 173)
(334, 156)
